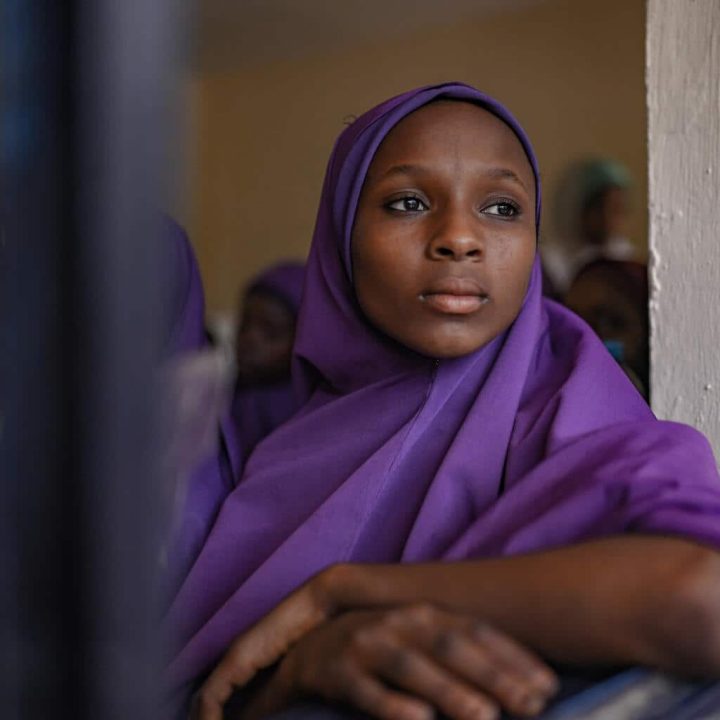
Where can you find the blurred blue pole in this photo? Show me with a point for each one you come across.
(87, 91)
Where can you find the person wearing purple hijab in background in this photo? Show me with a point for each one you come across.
(203, 451)
(470, 465)
(186, 300)
(263, 397)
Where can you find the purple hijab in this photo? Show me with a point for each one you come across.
(210, 482)
(186, 311)
(259, 409)
(534, 441)
(284, 280)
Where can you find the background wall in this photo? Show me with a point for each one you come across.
(273, 82)
(683, 44)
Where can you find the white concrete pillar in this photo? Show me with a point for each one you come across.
(683, 85)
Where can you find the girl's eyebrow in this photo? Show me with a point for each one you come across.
(496, 172)
(404, 169)
(508, 174)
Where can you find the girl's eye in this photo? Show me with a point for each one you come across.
(502, 209)
(407, 204)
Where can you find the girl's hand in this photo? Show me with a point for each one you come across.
(265, 643)
(404, 663)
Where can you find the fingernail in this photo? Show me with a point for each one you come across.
(546, 683)
(420, 713)
(486, 713)
(533, 705)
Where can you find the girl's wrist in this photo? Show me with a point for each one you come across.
(342, 587)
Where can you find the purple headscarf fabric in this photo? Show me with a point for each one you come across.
(186, 312)
(534, 441)
(284, 280)
(210, 482)
(259, 409)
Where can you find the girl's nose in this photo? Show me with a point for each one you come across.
(457, 237)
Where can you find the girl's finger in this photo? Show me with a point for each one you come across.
(209, 700)
(270, 638)
(461, 653)
(513, 655)
(427, 624)
(483, 657)
(372, 697)
(410, 669)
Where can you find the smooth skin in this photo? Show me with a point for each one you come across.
(448, 210)
(449, 198)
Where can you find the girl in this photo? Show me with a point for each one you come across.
(469, 464)
(263, 397)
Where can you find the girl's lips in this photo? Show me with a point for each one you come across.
(454, 304)
(455, 296)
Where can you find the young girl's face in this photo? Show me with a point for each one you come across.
(444, 236)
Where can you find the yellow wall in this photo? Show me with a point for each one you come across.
(571, 70)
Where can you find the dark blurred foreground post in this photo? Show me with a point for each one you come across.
(86, 90)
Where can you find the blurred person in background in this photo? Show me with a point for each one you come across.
(612, 297)
(201, 448)
(593, 210)
(263, 397)
(220, 407)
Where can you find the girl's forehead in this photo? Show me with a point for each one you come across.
(444, 128)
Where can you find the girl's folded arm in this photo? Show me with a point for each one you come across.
(646, 600)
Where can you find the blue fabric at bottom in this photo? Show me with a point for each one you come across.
(635, 694)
